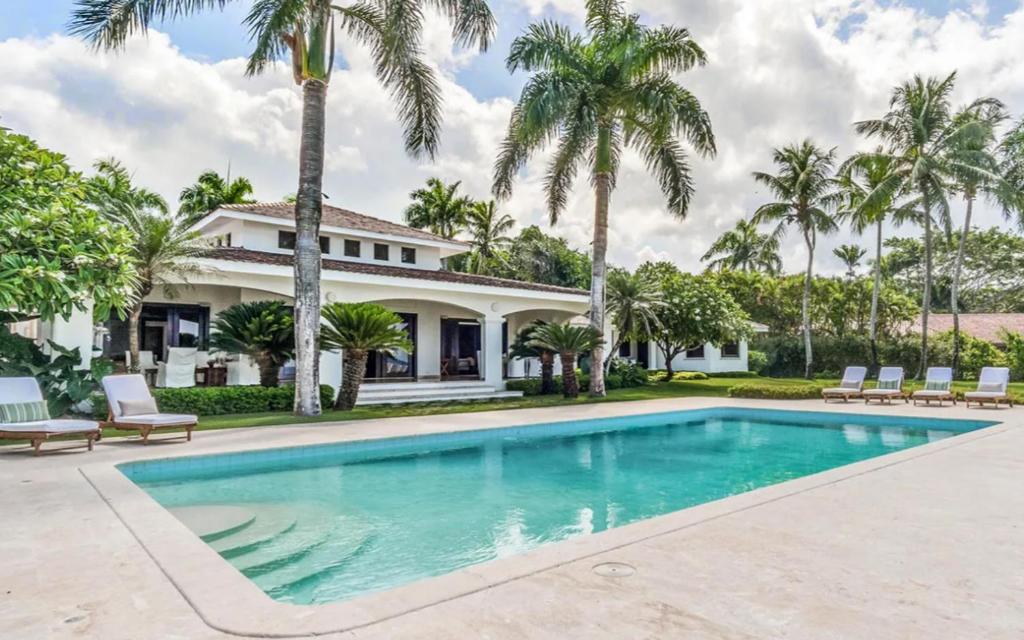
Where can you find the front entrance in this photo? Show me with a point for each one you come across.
(162, 326)
(460, 348)
(398, 364)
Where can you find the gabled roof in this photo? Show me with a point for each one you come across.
(986, 326)
(237, 254)
(338, 217)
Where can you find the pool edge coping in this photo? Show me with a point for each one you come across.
(229, 602)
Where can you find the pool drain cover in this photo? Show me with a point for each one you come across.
(614, 570)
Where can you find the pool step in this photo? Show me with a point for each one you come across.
(311, 529)
(212, 522)
(271, 522)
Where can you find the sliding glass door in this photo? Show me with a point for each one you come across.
(398, 364)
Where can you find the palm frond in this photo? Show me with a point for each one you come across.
(545, 46)
(473, 24)
(270, 23)
(108, 24)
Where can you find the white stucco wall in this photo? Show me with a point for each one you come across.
(712, 362)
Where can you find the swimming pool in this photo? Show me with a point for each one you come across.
(318, 524)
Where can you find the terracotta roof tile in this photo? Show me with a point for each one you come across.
(986, 326)
(337, 217)
(236, 254)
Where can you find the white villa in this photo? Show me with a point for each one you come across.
(461, 324)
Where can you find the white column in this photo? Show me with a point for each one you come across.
(330, 370)
(490, 330)
(74, 332)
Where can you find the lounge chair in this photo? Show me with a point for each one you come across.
(937, 387)
(890, 387)
(992, 387)
(132, 407)
(24, 416)
(852, 385)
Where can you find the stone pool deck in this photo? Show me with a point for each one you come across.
(923, 543)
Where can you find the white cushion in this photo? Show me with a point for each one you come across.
(882, 392)
(985, 394)
(840, 390)
(52, 426)
(19, 390)
(129, 387)
(158, 419)
(932, 393)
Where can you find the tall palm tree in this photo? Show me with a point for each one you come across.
(850, 255)
(612, 88)
(165, 251)
(806, 192)
(263, 330)
(302, 31)
(568, 341)
(439, 207)
(1011, 163)
(357, 329)
(858, 179)
(487, 229)
(210, 191)
(633, 303)
(744, 248)
(920, 132)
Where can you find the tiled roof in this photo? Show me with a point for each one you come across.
(986, 326)
(337, 217)
(236, 254)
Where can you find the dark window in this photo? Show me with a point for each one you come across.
(625, 350)
(286, 240)
(408, 255)
(380, 251)
(731, 350)
(696, 353)
(352, 248)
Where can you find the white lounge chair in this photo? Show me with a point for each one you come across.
(132, 407)
(179, 370)
(889, 388)
(852, 385)
(20, 397)
(938, 384)
(992, 387)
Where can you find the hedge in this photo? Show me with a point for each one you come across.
(735, 374)
(212, 401)
(767, 392)
(621, 377)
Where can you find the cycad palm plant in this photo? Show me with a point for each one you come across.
(744, 248)
(633, 304)
(598, 94)
(263, 330)
(439, 208)
(524, 347)
(568, 341)
(302, 31)
(487, 230)
(357, 329)
(210, 191)
(920, 132)
(166, 253)
(806, 192)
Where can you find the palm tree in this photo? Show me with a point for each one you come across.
(921, 132)
(523, 347)
(568, 341)
(1011, 163)
(744, 248)
(263, 330)
(357, 329)
(302, 31)
(858, 179)
(976, 170)
(487, 229)
(850, 255)
(165, 251)
(633, 304)
(806, 192)
(597, 94)
(439, 208)
(209, 192)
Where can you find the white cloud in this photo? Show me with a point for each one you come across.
(780, 70)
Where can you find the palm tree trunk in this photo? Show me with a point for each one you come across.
(954, 295)
(547, 373)
(926, 297)
(876, 290)
(134, 316)
(570, 385)
(603, 190)
(308, 209)
(353, 371)
(805, 309)
(269, 372)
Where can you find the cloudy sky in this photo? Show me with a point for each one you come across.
(177, 102)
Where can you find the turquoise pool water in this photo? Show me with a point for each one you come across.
(332, 522)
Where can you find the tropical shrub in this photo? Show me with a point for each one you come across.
(785, 354)
(523, 347)
(734, 374)
(262, 330)
(757, 361)
(632, 374)
(1014, 354)
(770, 392)
(568, 341)
(213, 401)
(690, 375)
(63, 384)
(975, 354)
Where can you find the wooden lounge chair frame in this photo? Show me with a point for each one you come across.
(845, 396)
(949, 395)
(146, 429)
(37, 438)
(888, 397)
(996, 401)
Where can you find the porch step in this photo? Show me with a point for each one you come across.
(435, 384)
(436, 395)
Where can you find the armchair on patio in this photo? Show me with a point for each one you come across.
(179, 370)
(242, 372)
